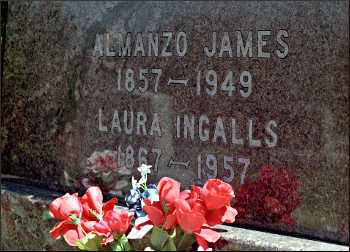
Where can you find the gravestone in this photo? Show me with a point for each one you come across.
(198, 90)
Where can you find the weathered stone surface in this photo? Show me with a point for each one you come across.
(297, 110)
(23, 223)
(252, 240)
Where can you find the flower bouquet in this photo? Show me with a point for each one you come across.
(159, 217)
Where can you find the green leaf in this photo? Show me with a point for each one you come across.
(170, 246)
(179, 234)
(76, 220)
(123, 240)
(158, 238)
(116, 246)
(116, 236)
(89, 242)
(127, 247)
(173, 235)
(98, 216)
(122, 243)
(165, 209)
(186, 241)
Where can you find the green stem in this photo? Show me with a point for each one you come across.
(145, 184)
(82, 229)
(182, 240)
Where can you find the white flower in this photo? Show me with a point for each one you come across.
(134, 183)
(142, 181)
(144, 169)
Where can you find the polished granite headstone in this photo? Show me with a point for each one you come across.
(253, 93)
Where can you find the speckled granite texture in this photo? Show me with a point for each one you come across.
(294, 115)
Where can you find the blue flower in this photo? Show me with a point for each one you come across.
(132, 198)
(138, 207)
(152, 190)
(139, 212)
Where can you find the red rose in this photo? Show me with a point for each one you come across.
(92, 199)
(189, 217)
(118, 220)
(63, 207)
(113, 220)
(154, 211)
(169, 191)
(196, 192)
(218, 216)
(205, 235)
(157, 216)
(89, 226)
(216, 194)
(70, 232)
(170, 219)
(70, 209)
(109, 205)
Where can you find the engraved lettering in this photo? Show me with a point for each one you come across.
(139, 45)
(283, 54)
(268, 129)
(219, 130)
(252, 142)
(141, 122)
(108, 52)
(153, 44)
(234, 138)
(155, 125)
(189, 126)
(225, 45)
(248, 46)
(101, 127)
(262, 43)
(169, 36)
(184, 47)
(128, 129)
(203, 135)
(124, 48)
(213, 50)
(116, 122)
